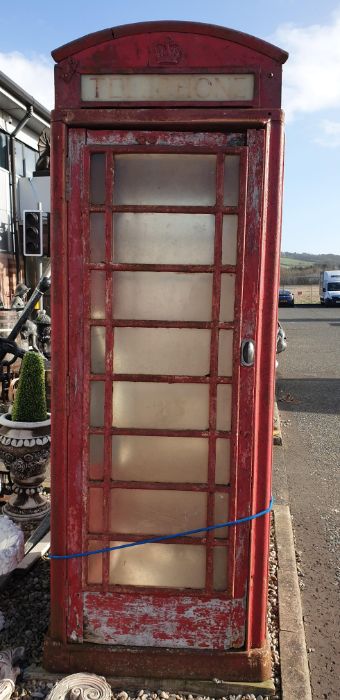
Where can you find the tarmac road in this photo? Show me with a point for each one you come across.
(308, 477)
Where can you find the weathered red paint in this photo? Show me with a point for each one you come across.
(198, 626)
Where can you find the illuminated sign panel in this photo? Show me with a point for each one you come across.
(165, 88)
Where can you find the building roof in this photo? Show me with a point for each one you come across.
(15, 101)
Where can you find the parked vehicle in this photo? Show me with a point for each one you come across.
(330, 287)
(286, 298)
(281, 340)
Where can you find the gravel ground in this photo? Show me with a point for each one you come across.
(25, 606)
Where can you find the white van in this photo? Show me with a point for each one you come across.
(330, 287)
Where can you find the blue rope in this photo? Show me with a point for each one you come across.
(162, 538)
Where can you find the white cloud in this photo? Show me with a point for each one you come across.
(311, 76)
(330, 135)
(34, 75)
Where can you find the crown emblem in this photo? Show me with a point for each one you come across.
(167, 53)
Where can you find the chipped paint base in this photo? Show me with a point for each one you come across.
(143, 620)
(246, 666)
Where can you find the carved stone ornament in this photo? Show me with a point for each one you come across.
(166, 53)
(9, 670)
(68, 69)
(81, 686)
(25, 450)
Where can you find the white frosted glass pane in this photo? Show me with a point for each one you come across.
(229, 239)
(96, 457)
(160, 405)
(221, 514)
(223, 418)
(225, 353)
(227, 297)
(175, 179)
(97, 238)
(231, 180)
(143, 512)
(98, 349)
(167, 296)
(95, 510)
(97, 404)
(161, 565)
(152, 458)
(220, 568)
(95, 563)
(97, 294)
(97, 178)
(161, 351)
(222, 471)
(164, 238)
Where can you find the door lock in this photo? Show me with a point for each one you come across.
(247, 353)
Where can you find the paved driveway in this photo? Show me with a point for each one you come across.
(308, 476)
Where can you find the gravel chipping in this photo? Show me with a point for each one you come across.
(25, 604)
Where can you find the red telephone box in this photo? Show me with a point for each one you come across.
(167, 179)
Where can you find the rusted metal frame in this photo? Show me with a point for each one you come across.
(85, 235)
(236, 388)
(265, 385)
(109, 343)
(158, 149)
(247, 419)
(162, 209)
(120, 137)
(135, 536)
(78, 390)
(132, 323)
(60, 377)
(162, 431)
(176, 119)
(158, 378)
(198, 593)
(215, 316)
(204, 487)
(137, 267)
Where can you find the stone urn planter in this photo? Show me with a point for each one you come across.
(25, 450)
(25, 442)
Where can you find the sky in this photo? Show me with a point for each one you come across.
(308, 29)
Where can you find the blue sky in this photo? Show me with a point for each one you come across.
(308, 29)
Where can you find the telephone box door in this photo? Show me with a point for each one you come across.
(163, 280)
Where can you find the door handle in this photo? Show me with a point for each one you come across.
(247, 353)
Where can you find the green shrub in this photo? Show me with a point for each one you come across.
(30, 400)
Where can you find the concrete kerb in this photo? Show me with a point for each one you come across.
(295, 681)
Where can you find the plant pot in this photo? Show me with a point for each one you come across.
(25, 449)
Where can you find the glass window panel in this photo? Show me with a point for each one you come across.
(160, 405)
(19, 159)
(97, 391)
(97, 238)
(227, 297)
(95, 563)
(97, 294)
(143, 512)
(173, 179)
(161, 565)
(231, 180)
(229, 239)
(164, 238)
(96, 457)
(162, 351)
(153, 458)
(221, 514)
(223, 418)
(167, 296)
(97, 178)
(225, 353)
(220, 568)
(222, 471)
(95, 510)
(3, 151)
(30, 159)
(98, 349)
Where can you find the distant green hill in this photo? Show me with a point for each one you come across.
(323, 260)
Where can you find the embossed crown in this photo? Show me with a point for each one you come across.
(167, 52)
